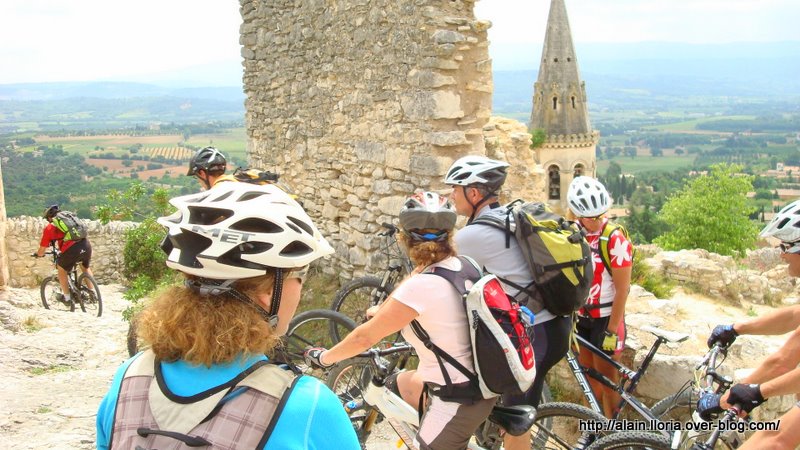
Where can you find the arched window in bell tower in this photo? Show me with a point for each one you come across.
(573, 102)
(555, 102)
(553, 183)
(578, 170)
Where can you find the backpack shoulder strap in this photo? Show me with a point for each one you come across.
(605, 236)
(504, 225)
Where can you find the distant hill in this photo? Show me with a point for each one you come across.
(113, 90)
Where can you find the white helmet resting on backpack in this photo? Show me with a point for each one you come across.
(240, 230)
(786, 224)
(587, 197)
(427, 211)
(479, 170)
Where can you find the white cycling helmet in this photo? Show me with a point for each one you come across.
(480, 170)
(240, 230)
(587, 197)
(427, 211)
(786, 224)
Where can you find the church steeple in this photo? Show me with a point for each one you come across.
(559, 101)
(559, 108)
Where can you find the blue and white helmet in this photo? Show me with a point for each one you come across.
(240, 230)
(785, 225)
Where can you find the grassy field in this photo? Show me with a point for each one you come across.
(642, 164)
(232, 143)
(690, 126)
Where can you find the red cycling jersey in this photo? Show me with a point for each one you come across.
(51, 233)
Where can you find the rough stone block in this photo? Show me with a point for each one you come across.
(446, 138)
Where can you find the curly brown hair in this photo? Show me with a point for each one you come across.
(425, 253)
(182, 324)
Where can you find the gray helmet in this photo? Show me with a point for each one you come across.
(427, 211)
(477, 170)
(50, 212)
(209, 159)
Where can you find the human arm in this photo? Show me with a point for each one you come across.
(777, 322)
(390, 318)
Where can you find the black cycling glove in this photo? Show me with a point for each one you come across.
(708, 406)
(312, 357)
(724, 334)
(747, 395)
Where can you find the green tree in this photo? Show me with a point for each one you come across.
(538, 136)
(711, 212)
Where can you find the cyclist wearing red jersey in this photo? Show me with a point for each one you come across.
(72, 252)
(602, 320)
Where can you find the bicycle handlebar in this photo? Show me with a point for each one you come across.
(391, 229)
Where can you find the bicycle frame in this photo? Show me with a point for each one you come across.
(72, 275)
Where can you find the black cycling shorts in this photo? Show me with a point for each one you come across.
(593, 330)
(79, 252)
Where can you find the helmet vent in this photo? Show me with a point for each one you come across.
(296, 249)
(222, 197)
(233, 257)
(256, 225)
(302, 225)
(208, 216)
(190, 245)
(251, 196)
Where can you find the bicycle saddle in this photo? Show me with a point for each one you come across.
(669, 336)
(516, 420)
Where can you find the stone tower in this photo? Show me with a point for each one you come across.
(560, 109)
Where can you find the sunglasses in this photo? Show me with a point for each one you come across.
(792, 248)
(592, 218)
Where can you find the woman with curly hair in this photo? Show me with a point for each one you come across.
(204, 381)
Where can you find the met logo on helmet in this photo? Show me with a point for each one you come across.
(229, 236)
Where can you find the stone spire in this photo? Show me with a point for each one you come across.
(559, 99)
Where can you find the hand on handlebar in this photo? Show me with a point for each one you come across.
(722, 334)
(313, 358)
(747, 395)
(708, 405)
(35, 255)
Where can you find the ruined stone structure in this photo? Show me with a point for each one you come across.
(356, 103)
(559, 108)
(3, 256)
(22, 236)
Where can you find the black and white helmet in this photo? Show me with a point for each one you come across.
(786, 224)
(240, 230)
(588, 197)
(477, 170)
(427, 211)
(209, 159)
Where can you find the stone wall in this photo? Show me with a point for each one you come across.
(722, 277)
(22, 239)
(358, 103)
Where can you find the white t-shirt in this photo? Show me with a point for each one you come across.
(441, 314)
(487, 246)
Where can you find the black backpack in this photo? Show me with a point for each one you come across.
(558, 256)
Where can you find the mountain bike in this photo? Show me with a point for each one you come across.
(83, 289)
(313, 328)
(359, 294)
(360, 384)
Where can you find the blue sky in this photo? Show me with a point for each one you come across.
(76, 40)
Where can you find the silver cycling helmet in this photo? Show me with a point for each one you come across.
(430, 212)
(477, 170)
(786, 224)
(587, 197)
(240, 230)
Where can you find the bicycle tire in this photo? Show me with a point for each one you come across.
(358, 294)
(557, 426)
(49, 290)
(311, 329)
(89, 298)
(631, 440)
(680, 407)
(348, 379)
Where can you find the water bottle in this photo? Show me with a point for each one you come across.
(528, 316)
(353, 405)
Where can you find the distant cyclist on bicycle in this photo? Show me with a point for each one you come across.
(72, 252)
(205, 380)
(208, 165)
(779, 373)
(476, 181)
(426, 223)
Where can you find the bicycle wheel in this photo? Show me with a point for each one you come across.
(680, 408)
(357, 295)
(311, 329)
(558, 426)
(89, 298)
(52, 297)
(631, 440)
(348, 379)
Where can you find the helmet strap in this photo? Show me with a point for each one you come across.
(204, 179)
(476, 206)
(275, 304)
(208, 287)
